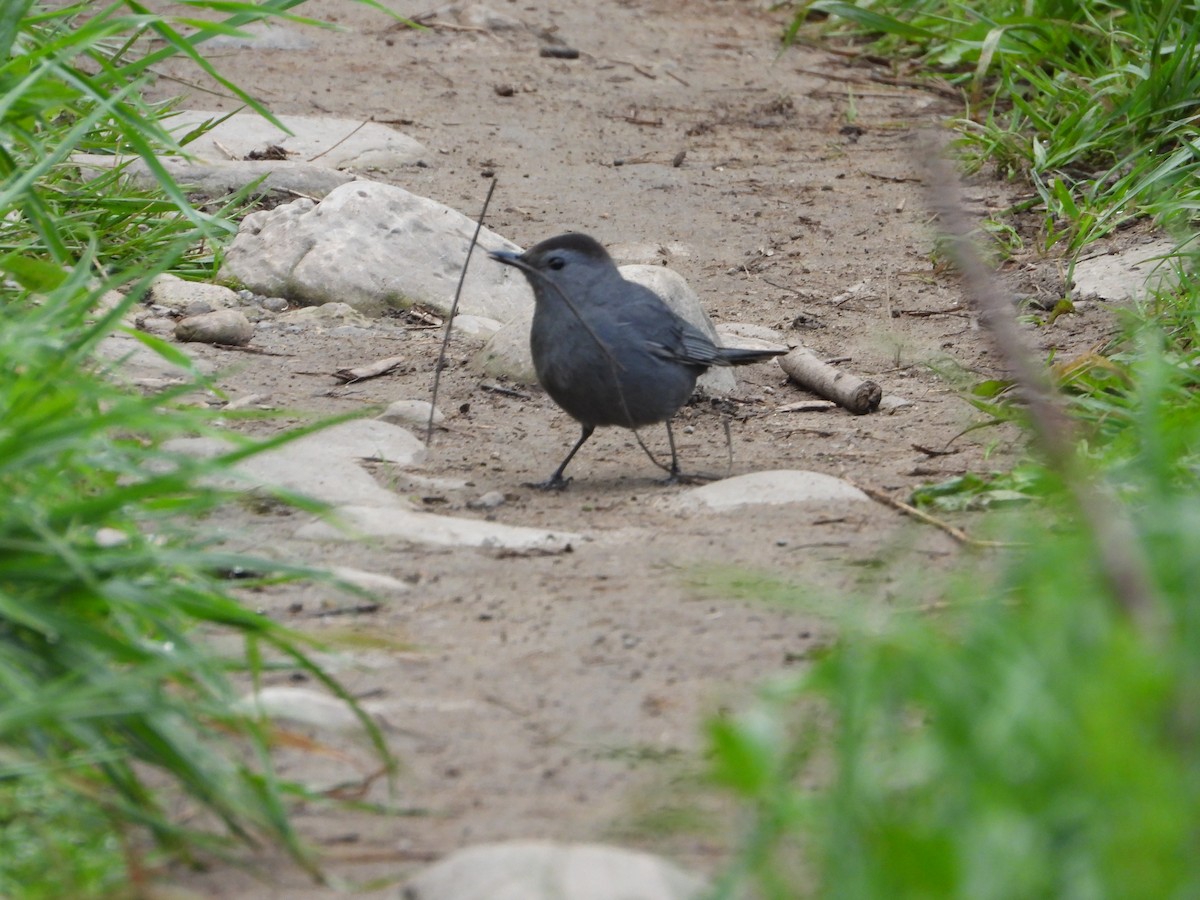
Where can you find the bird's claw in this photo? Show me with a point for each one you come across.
(554, 483)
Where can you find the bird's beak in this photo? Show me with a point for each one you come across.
(508, 257)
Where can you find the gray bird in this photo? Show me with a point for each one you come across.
(607, 350)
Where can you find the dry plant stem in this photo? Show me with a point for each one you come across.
(844, 389)
(1116, 543)
(371, 370)
(462, 277)
(921, 516)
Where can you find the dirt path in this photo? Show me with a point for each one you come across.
(563, 696)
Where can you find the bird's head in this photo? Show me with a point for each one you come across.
(571, 262)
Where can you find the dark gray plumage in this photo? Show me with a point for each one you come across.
(607, 350)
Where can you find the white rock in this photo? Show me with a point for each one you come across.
(374, 582)
(507, 354)
(1131, 274)
(416, 527)
(332, 143)
(132, 361)
(175, 293)
(323, 465)
(301, 706)
(648, 254)
(750, 330)
(766, 488)
(547, 870)
(479, 16)
(411, 412)
(282, 179)
(374, 246)
(329, 314)
(222, 326)
(262, 36)
(477, 326)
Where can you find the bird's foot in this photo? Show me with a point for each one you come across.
(678, 477)
(554, 483)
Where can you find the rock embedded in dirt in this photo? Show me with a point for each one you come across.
(1131, 274)
(548, 870)
(331, 142)
(767, 488)
(480, 16)
(327, 314)
(323, 465)
(422, 528)
(177, 294)
(375, 247)
(274, 179)
(222, 326)
(477, 326)
(411, 412)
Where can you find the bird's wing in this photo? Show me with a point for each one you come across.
(686, 344)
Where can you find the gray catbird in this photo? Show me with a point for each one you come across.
(607, 350)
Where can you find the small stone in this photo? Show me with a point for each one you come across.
(177, 294)
(198, 308)
(325, 314)
(477, 326)
(490, 500)
(225, 326)
(411, 412)
(766, 489)
(480, 16)
(274, 304)
(542, 870)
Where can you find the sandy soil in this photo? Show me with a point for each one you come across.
(564, 696)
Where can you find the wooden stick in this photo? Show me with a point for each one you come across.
(372, 370)
(846, 390)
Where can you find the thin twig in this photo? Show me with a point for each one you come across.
(920, 515)
(462, 277)
(360, 127)
(1117, 549)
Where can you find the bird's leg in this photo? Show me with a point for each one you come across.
(556, 482)
(674, 477)
(677, 477)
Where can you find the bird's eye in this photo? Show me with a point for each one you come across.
(555, 263)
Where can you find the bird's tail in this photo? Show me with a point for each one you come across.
(735, 356)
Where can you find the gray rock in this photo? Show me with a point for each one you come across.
(477, 326)
(547, 870)
(1132, 274)
(411, 412)
(277, 179)
(749, 330)
(414, 527)
(479, 16)
(766, 488)
(130, 361)
(323, 465)
(330, 142)
(262, 36)
(329, 315)
(490, 500)
(223, 326)
(374, 582)
(174, 293)
(274, 304)
(507, 354)
(373, 246)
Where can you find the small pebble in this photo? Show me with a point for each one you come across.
(490, 500)
(559, 52)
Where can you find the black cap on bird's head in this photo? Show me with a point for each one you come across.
(555, 254)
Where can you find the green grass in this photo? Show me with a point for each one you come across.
(116, 714)
(1038, 736)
